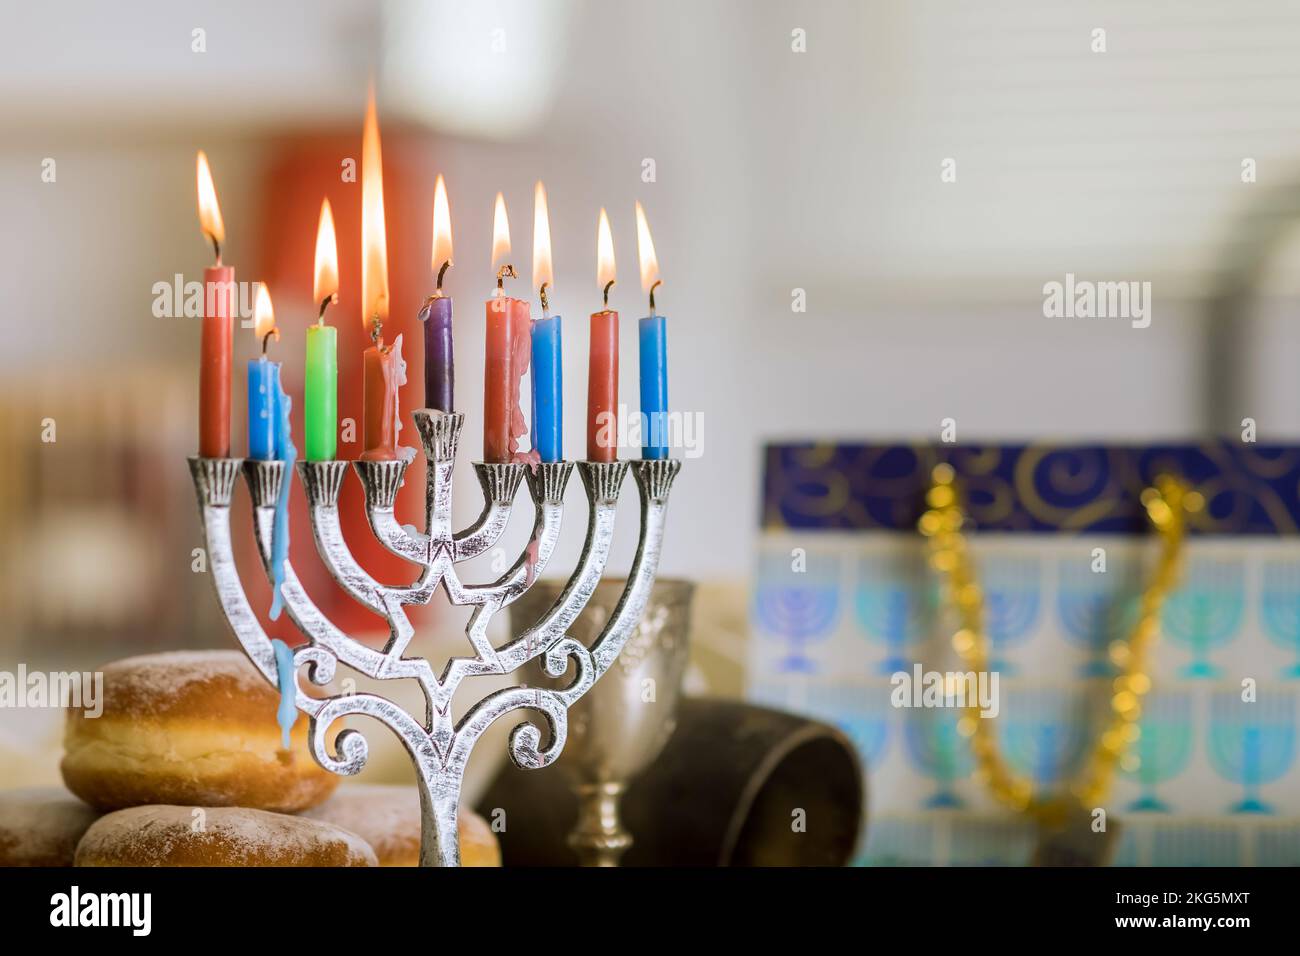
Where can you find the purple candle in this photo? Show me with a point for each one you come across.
(439, 371)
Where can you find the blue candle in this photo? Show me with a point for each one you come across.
(654, 387)
(548, 389)
(548, 379)
(263, 387)
(654, 351)
(269, 436)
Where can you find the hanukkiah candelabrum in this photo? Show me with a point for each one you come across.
(438, 746)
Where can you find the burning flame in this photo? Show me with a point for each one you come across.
(500, 233)
(326, 285)
(441, 225)
(209, 212)
(541, 239)
(374, 247)
(604, 252)
(645, 247)
(264, 314)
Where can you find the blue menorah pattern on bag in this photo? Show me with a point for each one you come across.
(798, 607)
(1012, 599)
(1207, 779)
(939, 752)
(1045, 733)
(1096, 607)
(1206, 611)
(1163, 747)
(1279, 607)
(894, 606)
(1252, 742)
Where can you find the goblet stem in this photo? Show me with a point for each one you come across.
(599, 838)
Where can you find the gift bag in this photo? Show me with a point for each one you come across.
(1153, 672)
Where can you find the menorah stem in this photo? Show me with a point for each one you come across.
(599, 837)
(439, 836)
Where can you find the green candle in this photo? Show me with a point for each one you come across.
(320, 411)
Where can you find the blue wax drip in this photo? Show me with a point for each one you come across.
(287, 715)
(287, 453)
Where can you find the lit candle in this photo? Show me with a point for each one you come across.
(269, 434)
(218, 311)
(506, 356)
(654, 351)
(602, 369)
(321, 386)
(263, 383)
(439, 368)
(381, 377)
(548, 388)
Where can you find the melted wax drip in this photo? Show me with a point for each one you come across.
(521, 337)
(399, 372)
(287, 715)
(286, 452)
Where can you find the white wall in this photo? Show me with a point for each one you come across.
(775, 170)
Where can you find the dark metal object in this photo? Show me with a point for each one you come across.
(731, 788)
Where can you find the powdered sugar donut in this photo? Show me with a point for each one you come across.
(217, 836)
(196, 728)
(388, 818)
(40, 826)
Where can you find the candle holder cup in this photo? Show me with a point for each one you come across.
(438, 745)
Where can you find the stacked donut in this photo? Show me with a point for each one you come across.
(187, 764)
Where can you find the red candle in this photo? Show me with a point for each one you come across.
(382, 372)
(506, 357)
(380, 404)
(509, 348)
(218, 311)
(602, 368)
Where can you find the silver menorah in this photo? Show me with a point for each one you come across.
(438, 746)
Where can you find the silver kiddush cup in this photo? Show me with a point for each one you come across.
(623, 722)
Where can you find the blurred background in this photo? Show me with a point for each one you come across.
(824, 279)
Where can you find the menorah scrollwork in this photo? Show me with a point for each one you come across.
(438, 745)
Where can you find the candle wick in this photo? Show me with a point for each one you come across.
(377, 331)
(266, 339)
(216, 249)
(442, 272)
(657, 284)
(325, 303)
(546, 302)
(507, 271)
(608, 285)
